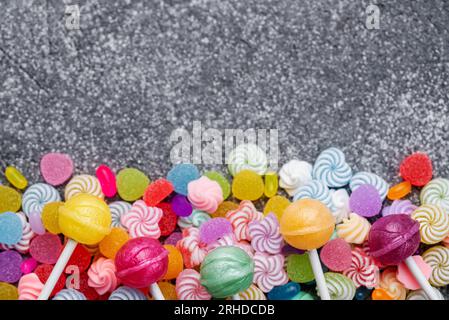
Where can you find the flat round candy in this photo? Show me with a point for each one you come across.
(181, 206)
(222, 181)
(175, 262)
(299, 268)
(365, 201)
(8, 291)
(10, 262)
(131, 184)
(180, 176)
(113, 242)
(37, 196)
(417, 169)
(169, 219)
(224, 208)
(277, 205)
(10, 199)
(50, 216)
(247, 185)
(46, 248)
(157, 191)
(336, 255)
(56, 168)
(11, 228)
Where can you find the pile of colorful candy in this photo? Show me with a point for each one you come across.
(198, 236)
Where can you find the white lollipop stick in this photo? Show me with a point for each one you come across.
(425, 285)
(57, 269)
(319, 275)
(156, 292)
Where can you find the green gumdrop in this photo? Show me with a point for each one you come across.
(299, 268)
(131, 184)
(227, 271)
(222, 181)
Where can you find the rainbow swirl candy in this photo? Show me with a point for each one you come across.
(331, 168)
(118, 209)
(269, 271)
(391, 284)
(433, 223)
(29, 287)
(265, 235)
(37, 196)
(127, 293)
(294, 174)
(83, 183)
(142, 221)
(241, 218)
(247, 157)
(196, 219)
(192, 249)
(422, 295)
(363, 271)
(315, 190)
(354, 229)
(399, 207)
(340, 287)
(27, 235)
(364, 177)
(436, 192)
(437, 257)
(252, 293)
(102, 276)
(69, 294)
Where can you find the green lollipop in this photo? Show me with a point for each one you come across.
(226, 271)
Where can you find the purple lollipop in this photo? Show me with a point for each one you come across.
(181, 206)
(365, 201)
(10, 262)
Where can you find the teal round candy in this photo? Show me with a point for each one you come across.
(299, 268)
(222, 181)
(303, 296)
(10, 228)
(227, 271)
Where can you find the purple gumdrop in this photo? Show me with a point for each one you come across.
(365, 201)
(10, 262)
(214, 229)
(173, 238)
(393, 238)
(181, 206)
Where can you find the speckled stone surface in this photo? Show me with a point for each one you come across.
(113, 91)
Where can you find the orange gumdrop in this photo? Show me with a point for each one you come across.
(168, 290)
(399, 190)
(113, 242)
(380, 294)
(175, 262)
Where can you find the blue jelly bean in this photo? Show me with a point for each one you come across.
(284, 292)
(362, 293)
(180, 176)
(10, 228)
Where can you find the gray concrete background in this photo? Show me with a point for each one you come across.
(113, 91)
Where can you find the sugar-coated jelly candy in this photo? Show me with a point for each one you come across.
(50, 216)
(399, 190)
(11, 229)
(8, 291)
(180, 176)
(380, 294)
(284, 292)
(113, 242)
(107, 180)
(157, 191)
(10, 199)
(175, 262)
(277, 205)
(247, 185)
(15, 177)
(271, 184)
(131, 184)
(299, 268)
(46, 248)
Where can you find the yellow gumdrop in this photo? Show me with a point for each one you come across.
(16, 178)
(113, 242)
(168, 290)
(10, 200)
(271, 184)
(85, 218)
(247, 185)
(277, 205)
(223, 208)
(175, 262)
(8, 291)
(50, 216)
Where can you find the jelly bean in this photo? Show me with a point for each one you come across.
(107, 180)
(15, 177)
(28, 265)
(284, 292)
(380, 294)
(271, 184)
(36, 224)
(247, 185)
(399, 190)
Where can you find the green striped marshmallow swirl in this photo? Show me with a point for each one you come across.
(436, 192)
(340, 287)
(438, 259)
(433, 223)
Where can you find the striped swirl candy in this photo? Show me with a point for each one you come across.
(69, 294)
(142, 221)
(265, 235)
(196, 219)
(192, 249)
(399, 207)
(433, 223)
(436, 192)
(437, 257)
(294, 174)
(252, 293)
(230, 240)
(83, 183)
(247, 157)
(363, 271)
(340, 203)
(102, 276)
(241, 218)
(188, 286)
(315, 190)
(354, 229)
(391, 284)
(422, 295)
(127, 293)
(27, 235)
(340, 287)
(118, 209)
(29, 287)
(37, 196)
(331, 168)
(364, 177)
(269, 271)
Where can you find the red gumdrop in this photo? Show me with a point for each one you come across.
(46, 248)
(43, 271)
(336, 255)
(169, 219)
(157, 191)
(84, 288)
(80, 258)
(417, 169)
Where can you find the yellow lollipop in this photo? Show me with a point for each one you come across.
(307, 224)
(85, 219)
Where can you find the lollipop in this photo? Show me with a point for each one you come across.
(307, 224)
(141, 262)
(395, 238)
(226, 271)
(84, 219)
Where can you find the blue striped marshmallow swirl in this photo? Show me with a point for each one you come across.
(37, 196)
(69, 294)
(317, 190)
(331, 168)
(127, 293)
(364, 177)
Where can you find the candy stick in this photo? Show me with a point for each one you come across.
(156, 292)
(319, 275)
(421, 279)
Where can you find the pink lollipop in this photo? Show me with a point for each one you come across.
(141, 262)
(395, 238)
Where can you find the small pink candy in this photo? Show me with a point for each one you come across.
(35, 221)
(56, 168)
(107, 180)
(28, 265)
(406, 277)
